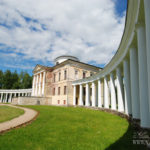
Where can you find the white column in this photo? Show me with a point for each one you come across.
(6, 97)
(81, 95)
(43, 85)
(1, 98)
(134, 78)
(120, 90)
(96, 94)
(26, 94)
(106, 94)
(39, 92)
(93, 94)
(113, 92)
(99, 94)
(147, 24)
(15, 94)
(74, 95)
(87, 101)
(127, 89)
(33, 86)
(36, 89)
(18, 94)
(10, 97)
(143, 77)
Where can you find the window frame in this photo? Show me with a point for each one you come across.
(65, 74)
(65, 90)
(59, 90)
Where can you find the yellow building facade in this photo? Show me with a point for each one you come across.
(55, 83)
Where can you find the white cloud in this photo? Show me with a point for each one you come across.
(88, 29)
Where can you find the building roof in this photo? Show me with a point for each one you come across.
(75, 62)
(66, 56)
(68, 61)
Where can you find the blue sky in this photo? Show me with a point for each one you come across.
(37, 31)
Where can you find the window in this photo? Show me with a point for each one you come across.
(58, 90)
(64, 102)
(76, 74)
(65, 90)
(65, 74)
(54, 77)
(91, 73)
(58, 101)
(59, 76)
(53, 91)
(84, 75)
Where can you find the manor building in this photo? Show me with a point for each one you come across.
(55, 83)
(123, 85)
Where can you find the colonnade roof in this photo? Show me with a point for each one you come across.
(15, 90)
(126, 42)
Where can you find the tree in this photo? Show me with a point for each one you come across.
(25, 80)
(15, 80)
(1, 79)
(7, 80)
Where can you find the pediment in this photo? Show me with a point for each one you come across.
(37, 68)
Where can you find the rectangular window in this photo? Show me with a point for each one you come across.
(64, 102)
(91, 73)
(58, 101)
(54, 77)
(59, 76)
(84, 75)
(58, 90)
(53, 91)
(76, 74)
(65, 90)
(65, 74)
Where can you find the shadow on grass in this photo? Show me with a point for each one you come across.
(126, 142)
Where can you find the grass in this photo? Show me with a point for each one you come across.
(67, 128)
(8, 113)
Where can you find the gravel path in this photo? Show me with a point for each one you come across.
(29, 114)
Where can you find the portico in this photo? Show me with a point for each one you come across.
(38, 84)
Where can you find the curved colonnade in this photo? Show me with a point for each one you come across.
(124, 84)
(7, 95)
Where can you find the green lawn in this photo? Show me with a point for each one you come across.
(67, 128)
(8, 113)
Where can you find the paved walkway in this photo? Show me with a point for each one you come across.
(28, 115)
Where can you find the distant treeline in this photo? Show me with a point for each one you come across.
(14, 80)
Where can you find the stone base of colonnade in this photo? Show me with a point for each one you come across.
(135, 123)
(33, 100)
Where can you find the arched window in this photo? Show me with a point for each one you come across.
(84, 75)
(65, 90)
(54, 77)
(58, 90)
(65, 74)
(53, 91)
(59, 76)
